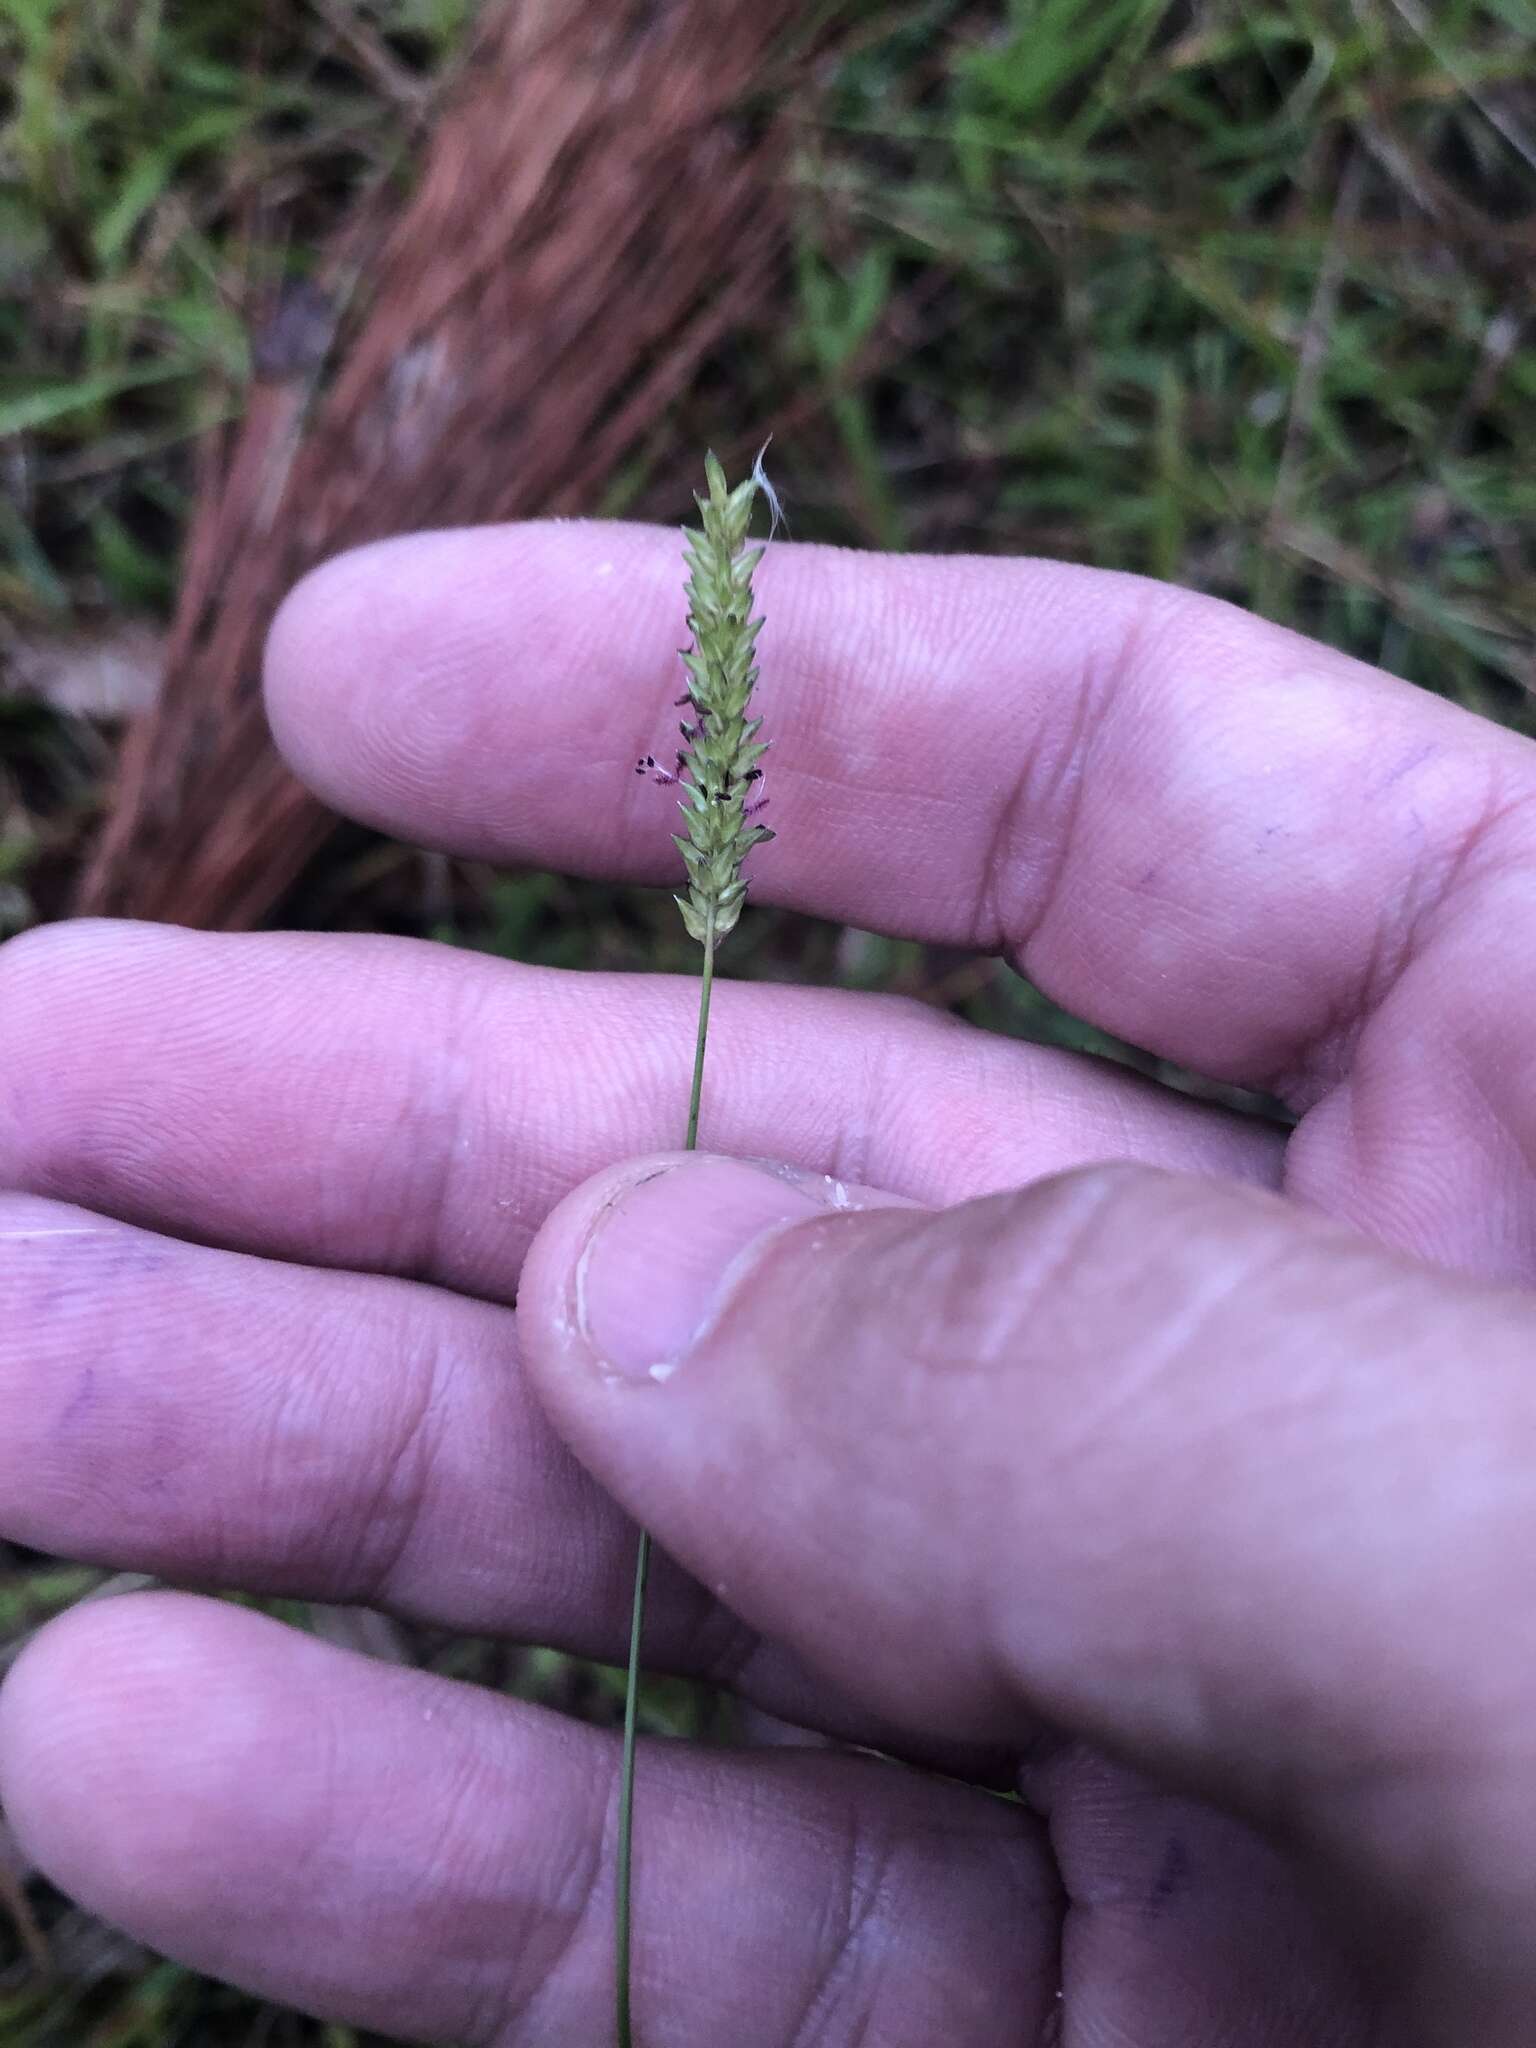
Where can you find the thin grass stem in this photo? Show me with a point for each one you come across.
(625, 2034)
(706, 986)
(627, 1792)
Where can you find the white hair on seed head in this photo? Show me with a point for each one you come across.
(776, 511)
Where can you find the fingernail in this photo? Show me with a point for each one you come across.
(662, 1256)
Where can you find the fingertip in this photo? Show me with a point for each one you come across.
(102, 1710)
(272, 1809)
(394, 673)
(336, 650)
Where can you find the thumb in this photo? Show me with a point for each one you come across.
(1197, 1475)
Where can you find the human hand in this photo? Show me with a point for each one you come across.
(1139, 1462)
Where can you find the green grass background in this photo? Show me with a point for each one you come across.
(1234, 294)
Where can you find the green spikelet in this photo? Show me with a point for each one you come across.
(721, 748)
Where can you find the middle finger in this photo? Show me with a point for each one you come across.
(406, 1108)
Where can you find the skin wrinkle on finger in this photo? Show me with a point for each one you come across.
(447, 1848)
(404, 1497)
(865, 1866)
(1450, 884)
(1247, 792)
(1212, 1290)
(1434, 1148)
(1163, 1889)
(467, 1004)
(1032, 845)
(386, 1104)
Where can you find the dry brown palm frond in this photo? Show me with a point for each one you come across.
(599, 205)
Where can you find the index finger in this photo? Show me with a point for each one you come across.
(1202, 832)
(1122, 784)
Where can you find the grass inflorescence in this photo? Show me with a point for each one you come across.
(718, 768)
(721, 751)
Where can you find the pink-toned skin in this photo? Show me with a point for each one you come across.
(1066, 1421)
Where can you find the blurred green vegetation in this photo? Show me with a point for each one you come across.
(1236, 295)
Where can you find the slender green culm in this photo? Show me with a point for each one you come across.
(718, 771)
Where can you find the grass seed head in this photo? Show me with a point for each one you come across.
(718, 765)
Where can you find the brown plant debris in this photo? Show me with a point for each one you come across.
(596, 210)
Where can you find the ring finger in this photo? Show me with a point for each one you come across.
(384, 1847)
